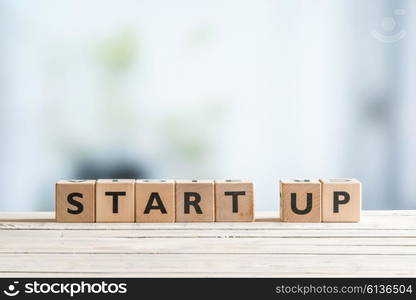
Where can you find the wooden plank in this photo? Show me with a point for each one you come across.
(181, 275)
(322, 246)
(371, 219)
(219, 265)
(382, 244)
(260, 215)
(219, 233)
(405, 225)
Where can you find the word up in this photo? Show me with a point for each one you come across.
(324, 200)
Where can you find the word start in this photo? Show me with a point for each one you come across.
(168, 201)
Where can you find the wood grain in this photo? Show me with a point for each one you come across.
(383, 244)
(334, 192)
(75, 201)
(200, 192)
(234, 201)
(301, 190)
(155, 201)
(109, 209)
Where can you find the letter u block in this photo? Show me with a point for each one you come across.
(341, 200)
(75, 201)
(195, 201)
(300, 200)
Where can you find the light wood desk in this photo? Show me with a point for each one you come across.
(383, 244)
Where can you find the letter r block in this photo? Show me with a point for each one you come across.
(300, 200)
(195, 201)
(155, 201)
(115, 200)
(234, 201)
(341, 200)
(75, 201)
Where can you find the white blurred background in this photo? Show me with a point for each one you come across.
(259, 90)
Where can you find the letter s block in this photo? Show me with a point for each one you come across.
(300, 200)
(115, 200)
(75, 201)
(341, 200)
(195, 201)
(234, 201)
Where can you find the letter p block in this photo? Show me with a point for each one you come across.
(300, 200)
(341, 200)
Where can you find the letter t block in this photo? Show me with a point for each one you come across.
(234, 201)
(300, 200)
(115, 201)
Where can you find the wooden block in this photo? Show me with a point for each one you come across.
(115, 200)
(155, 201)
(234, 201)
(195, 201)
(341, 200)
(300, 200)
(75, 201)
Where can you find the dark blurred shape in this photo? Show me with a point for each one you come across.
(117, 169)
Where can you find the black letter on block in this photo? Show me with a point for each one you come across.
(235, 199)
(149, 205)
(115, 199)
(337, 201)
(308, 204)
(79, 205)
(188, 202)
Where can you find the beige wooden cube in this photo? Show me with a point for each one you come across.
(75, 201)
(234, 201)
(300, 200)
(115, 200)
(155, 201)
(341, 200)
(195, 201)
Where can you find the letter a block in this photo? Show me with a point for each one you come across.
(341, 200)
(115, 200)
(75, 201)
(234, 201)
(155, 201)
(195, 201)
(300, 200)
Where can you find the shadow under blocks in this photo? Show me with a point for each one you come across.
(169, 201)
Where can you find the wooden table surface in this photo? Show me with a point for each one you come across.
(383, 244)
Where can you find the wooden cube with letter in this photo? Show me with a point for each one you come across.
(300, 200)
(115, 200)
(195, 201)
(234, 201)
(341, 200)
(75, 201)
(155, 200)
